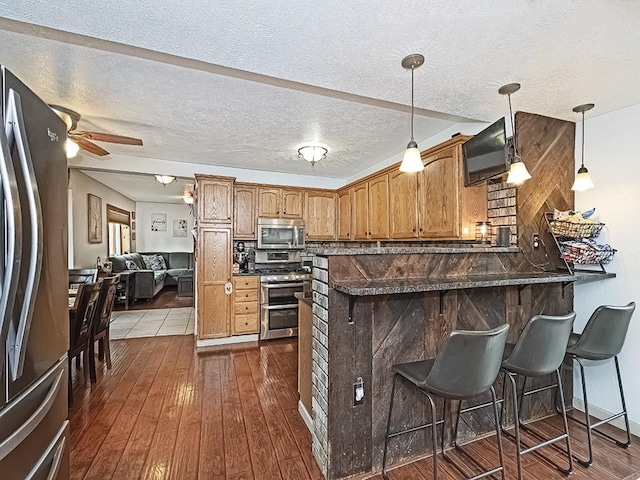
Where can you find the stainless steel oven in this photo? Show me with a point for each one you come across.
(280, 234)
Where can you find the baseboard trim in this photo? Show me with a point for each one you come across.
(308, 421)
(213, 342)
(601, 414)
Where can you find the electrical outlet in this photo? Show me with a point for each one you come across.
(536, 241)
(358, 392)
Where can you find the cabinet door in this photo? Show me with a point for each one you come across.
(269, 202)
(438, 196)
(344, 215)
(244, 212)
(215, 201)
(320, 215)
(292, 203)
(379, 207)
(403, 204)
(360, 211)
(213, 272)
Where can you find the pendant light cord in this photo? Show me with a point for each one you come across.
(412, 69)
(582, 162)
(513, 127)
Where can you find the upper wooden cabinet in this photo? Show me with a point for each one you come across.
(379, 207)
(343, 214)
(244, 211)
(439, 214)
(360, 211)
(403, 204)
(215, 199)
(320, 215)
(280, 202)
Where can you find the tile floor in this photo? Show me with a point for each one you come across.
(152, 323)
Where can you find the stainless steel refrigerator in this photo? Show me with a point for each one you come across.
(34, 324)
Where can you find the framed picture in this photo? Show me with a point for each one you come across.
(179, 228)
(94, 208)
(158, 222)
(133, 225)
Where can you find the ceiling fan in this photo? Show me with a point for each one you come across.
(83, 139)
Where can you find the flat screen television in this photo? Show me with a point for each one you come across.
(486, 155)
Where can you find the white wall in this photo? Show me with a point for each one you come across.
(85, 253)
(148, 241)
(611, 155)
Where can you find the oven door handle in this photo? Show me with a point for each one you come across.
(282, 285)
(280, 307)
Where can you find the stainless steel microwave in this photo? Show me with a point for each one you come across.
(280, 233)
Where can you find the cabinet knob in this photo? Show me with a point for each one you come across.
(246, 294)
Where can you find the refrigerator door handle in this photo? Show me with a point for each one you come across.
(18, 336)
(12, 235)
(57, 449)
(18, 436)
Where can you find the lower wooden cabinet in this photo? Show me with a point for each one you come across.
(246, 305)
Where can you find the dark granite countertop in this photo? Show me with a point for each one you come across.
(413, 285)
(246, 274)
(409, 250)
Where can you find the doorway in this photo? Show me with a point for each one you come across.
(119, 226)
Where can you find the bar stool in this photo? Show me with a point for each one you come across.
(602, 338)
(539, 352)
(466, 366)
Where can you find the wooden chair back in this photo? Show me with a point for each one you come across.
(82, 275)
(81, 323)
(105, 304)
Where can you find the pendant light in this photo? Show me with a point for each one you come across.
(412, 162)
(518, 172)
(583, 178)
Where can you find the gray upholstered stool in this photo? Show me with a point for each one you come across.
(602, 339)
(466, 366)
(539, 352)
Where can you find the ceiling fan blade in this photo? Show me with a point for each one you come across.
(108, 137)
(90, 146)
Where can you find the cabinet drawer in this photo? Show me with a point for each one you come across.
(245, 283)
(245, 324)
(246, 296)
(246, 308)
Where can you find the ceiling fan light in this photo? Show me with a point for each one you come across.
(188, 199)
(518, 172)
(312, 153)
(411, 161)
(71, 148)
(583, 180)
(165, 179)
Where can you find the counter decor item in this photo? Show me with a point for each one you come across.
(503, 238)
(483, 233)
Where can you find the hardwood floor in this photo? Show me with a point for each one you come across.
(165, 412)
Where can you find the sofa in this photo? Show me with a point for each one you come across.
(149, 282)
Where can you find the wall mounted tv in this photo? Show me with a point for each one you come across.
(486, 155)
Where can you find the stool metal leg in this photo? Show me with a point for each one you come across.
(589, 461)
(516, 418)
(624, 406)
(498, 434)
(386, 435)
(434, 436)
(565, 423)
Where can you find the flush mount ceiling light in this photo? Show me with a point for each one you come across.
(165, 179)
(411, 161)
(312, 153)
(583, 178)
(518, 172)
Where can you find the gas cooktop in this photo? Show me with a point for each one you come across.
(280, 271)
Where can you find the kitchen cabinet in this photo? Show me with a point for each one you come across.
(246, 305)
(214, 199)
(213, 272)
(343, 214)
(439, 208)
(320, 215)
(403, 204)
(379, 207)
(360, 211)
(245, 211)
(280, 202)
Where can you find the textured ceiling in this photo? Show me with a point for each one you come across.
(245, 83)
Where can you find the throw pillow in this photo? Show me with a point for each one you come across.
(148, 261)
(163, 264)
(131, 265)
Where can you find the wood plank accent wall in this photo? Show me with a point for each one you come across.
(409, 327)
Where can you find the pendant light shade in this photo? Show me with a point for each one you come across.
(518, 172)
(412, 162)
(583, 178)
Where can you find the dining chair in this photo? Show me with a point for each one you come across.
(101, 322)
(80, 329)
(82, 275)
